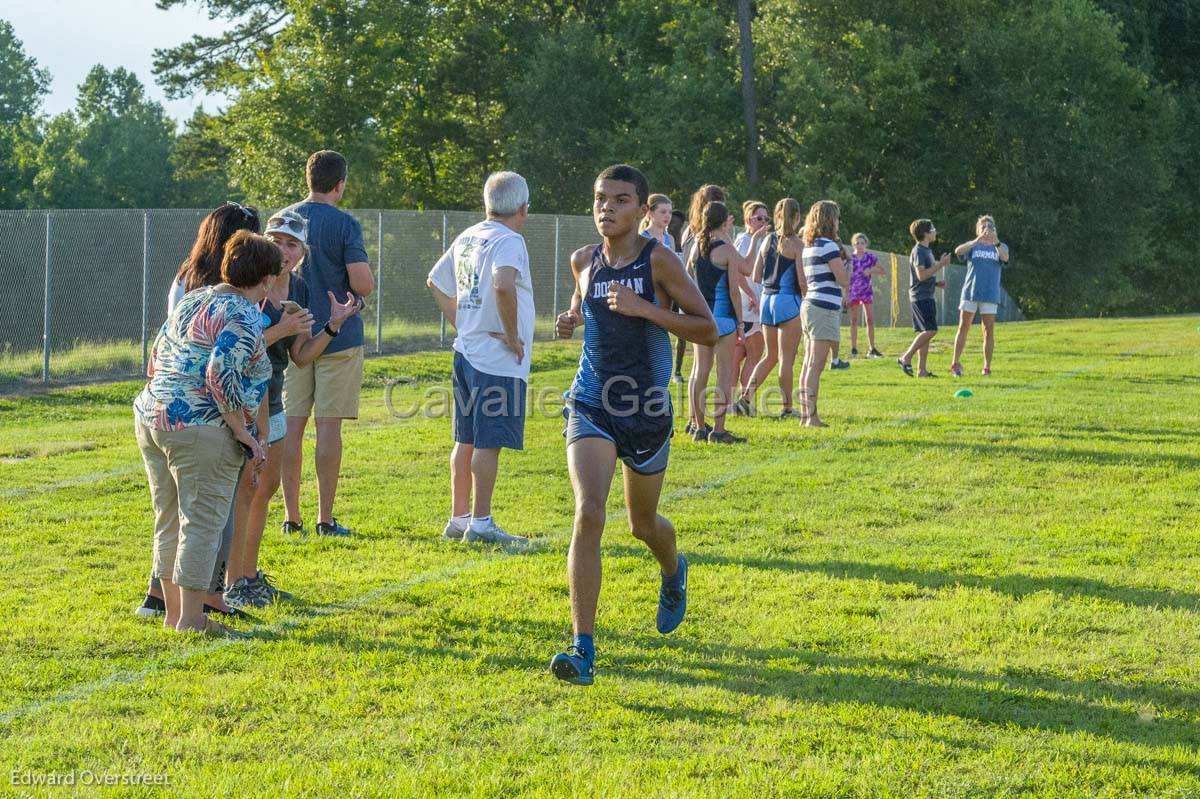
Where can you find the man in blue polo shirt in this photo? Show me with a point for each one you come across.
(336, 265)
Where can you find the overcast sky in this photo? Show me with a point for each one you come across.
(68, 37)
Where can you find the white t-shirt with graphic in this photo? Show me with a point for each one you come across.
(466, 271)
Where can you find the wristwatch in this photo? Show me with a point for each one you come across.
(330, 331)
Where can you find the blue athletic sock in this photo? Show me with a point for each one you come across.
(674, 579)
(586, 645)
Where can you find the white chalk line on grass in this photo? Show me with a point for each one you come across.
(121, 471)
(286, 624)
(74, 482)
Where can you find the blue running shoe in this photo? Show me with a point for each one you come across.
(573, 666)
(672, 599)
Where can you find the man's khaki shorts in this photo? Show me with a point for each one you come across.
(328, 388)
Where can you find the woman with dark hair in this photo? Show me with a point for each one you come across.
(715, 262)
(757, 218)
(208, 376)
(202, 267)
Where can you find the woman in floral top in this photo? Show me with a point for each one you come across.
(194, 419)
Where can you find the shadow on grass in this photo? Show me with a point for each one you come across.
(1148, 460)
(1014, 585)
(1031, 700)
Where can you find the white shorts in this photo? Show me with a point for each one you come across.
(278, 428)
(985, 308)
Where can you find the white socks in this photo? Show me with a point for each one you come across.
(479, 523)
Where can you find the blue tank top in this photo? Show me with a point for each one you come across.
(625, 367)
(713, 282)
(779, 273)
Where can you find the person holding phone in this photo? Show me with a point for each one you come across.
(288, 338)
(985, 256)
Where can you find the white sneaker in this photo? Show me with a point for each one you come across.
(493, 535)
(453, 532)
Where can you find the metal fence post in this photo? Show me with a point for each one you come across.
(46, 309)
(145, 288)
(556, 224)
(445, 231)
(379, 291)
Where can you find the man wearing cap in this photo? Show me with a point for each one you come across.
(328, 389)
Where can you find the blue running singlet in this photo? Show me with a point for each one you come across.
(779, 273)
(625, 367)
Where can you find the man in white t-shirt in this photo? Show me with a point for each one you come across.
(483, 287)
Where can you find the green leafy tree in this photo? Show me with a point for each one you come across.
(22, 86)
(200, 165)
(112, 151)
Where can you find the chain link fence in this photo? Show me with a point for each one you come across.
(85, 291)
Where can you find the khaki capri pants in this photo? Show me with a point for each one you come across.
(192, 474)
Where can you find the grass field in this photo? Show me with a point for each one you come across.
(994, 596)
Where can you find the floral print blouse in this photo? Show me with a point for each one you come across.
(208, 359)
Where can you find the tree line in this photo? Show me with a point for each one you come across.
(1071, 121)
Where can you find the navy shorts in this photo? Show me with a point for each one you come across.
(643, 443)
(489, 411)
(924, 316)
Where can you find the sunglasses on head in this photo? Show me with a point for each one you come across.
(247, 211)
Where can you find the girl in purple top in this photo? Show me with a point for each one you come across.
(861, 293)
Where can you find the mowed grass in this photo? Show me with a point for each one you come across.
(994, 596)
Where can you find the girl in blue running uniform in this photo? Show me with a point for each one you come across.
(775, 268)
(717, 266)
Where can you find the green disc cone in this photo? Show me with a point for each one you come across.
(964, 392)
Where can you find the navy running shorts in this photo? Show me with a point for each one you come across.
(924, 315)
(643, 443)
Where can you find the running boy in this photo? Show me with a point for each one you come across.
(922, 274)
(619, 405)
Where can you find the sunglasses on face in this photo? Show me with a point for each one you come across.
(759, 218)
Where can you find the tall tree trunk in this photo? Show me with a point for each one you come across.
(749, 106)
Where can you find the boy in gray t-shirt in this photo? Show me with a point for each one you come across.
(922, 272)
